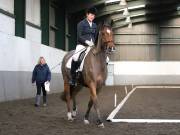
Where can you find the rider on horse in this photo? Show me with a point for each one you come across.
(86, 36)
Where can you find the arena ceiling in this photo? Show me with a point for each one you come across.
(134, 11)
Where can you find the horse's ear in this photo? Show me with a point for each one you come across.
(111, 22)
(108, 22)
(100, 25)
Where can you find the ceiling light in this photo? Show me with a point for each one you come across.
(123, 2)
(111, 1)
(128, 19)
(130, 25)
(126, 12)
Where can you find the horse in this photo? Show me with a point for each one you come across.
(93, 75)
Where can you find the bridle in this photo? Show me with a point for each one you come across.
(108, 49)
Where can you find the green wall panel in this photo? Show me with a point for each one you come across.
(60, 24)
(45, 21)
(20, 16)
(73, 32)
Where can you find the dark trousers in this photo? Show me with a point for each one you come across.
(39, 87)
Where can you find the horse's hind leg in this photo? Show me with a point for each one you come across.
(74, 91)
(68, 100)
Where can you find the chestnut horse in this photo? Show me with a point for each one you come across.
(93, 75)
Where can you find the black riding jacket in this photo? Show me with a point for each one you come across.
(85, 32)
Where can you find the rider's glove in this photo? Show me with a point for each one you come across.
(89, 43)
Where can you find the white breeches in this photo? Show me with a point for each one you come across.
(79, 49)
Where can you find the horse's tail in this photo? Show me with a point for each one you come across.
(65, 73)
(63, 94)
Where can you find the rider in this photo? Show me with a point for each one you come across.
(86, 36)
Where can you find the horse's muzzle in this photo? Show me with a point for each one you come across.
(111, 49)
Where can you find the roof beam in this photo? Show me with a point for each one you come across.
(81, 6)
(146, 19)
(144, 12)
(133, 5)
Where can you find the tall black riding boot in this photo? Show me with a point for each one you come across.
(73, 73)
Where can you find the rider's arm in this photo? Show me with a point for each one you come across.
(96, 34)
(80, 38)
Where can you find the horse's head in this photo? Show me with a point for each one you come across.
(107, 38)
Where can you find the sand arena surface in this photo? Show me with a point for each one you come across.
(22, 118)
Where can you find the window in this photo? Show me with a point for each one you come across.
(7, 5)
(52, 33)
(33, 12)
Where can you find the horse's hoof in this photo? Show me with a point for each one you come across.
(71, 119)
(101, 125)
(86, 122)
(74, 113)
(69, 116)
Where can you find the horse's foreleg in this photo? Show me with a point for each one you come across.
(68, 100)
(96, 106)
(86, 117)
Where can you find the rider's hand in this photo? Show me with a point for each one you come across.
(89, 43)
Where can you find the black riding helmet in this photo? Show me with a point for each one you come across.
(91, 10)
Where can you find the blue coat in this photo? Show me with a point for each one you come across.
(41, 74)
(85, 32)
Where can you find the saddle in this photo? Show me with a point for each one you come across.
(81, 59)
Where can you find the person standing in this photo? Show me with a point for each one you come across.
(40, 75)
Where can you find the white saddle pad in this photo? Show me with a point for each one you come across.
(68, 64)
